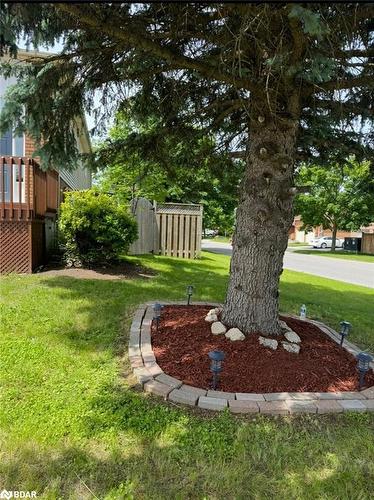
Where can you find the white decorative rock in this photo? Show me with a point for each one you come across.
(273, 344)
(292, 337)
(284, 326)
(291, 347)
(235, 334)
(211, 317)
(216, 311)
(218, 328)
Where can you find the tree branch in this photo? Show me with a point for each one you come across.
(344, 106)
(141, 40)
(341, 84)
(349, 54)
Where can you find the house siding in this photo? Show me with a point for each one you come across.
(77, 179)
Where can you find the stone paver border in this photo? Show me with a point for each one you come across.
(154, 380)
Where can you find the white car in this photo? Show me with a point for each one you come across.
(210, 232)
(325, 242)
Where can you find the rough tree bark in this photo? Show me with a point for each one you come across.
(263, 218)
(333, 241)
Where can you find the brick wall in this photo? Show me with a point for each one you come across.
(30, 148)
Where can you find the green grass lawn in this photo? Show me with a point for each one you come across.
(73, 423)
(340, 254)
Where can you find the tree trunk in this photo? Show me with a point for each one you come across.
(333, 241)
(263, 218)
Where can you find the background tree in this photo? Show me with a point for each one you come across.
(284, 82)
(191, 172)
(339, 197)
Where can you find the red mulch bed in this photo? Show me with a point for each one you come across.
(184, 339)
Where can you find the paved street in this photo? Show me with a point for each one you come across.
(350, 271)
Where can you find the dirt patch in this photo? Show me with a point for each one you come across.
(122, 271)
(183, 340)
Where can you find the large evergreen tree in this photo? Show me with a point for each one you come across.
(283, 82)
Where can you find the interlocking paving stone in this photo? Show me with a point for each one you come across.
(328, 395)
(136, 361)
(149, 357)
(147, 350)
(163, 303)
(166, 379)
(277, 396)
(194, 390)
(352, 405)
(243, 406)
(142, 374)
(158, 388)
(307, 406)
(134, 351)
(153, 369)
(184, 397)
(138, 319)
(368, 393)
(369, 403)
(352, 395)
(148, 317)
(249, 396)
(328, 406)
(134, 341)
(212, 403)
(135, 331)
(145, 338)
(302, 396)
(273, 407)
(221, 394)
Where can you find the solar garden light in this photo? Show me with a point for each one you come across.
(345, 328)
(216, 358)
(303, 311)
(363, 366)
(189, 294)
(157, 313)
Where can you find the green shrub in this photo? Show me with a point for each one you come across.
(94, 228)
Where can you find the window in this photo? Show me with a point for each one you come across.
(11, 145)
(6, 144)
(17, 192)
(18, 145)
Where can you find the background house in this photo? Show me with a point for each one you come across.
(30, 197)
(298, 235)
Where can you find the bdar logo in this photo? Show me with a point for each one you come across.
(7, 495)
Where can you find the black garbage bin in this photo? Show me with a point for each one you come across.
(352, 244)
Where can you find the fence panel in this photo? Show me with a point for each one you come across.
(181, 229)
(367, 244)
(144, 214)
(172, 229)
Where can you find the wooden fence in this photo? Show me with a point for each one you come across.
(179, 229)
(367, 243)
(144, 213)
(172, 229)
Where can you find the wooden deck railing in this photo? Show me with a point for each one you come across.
(26, 191)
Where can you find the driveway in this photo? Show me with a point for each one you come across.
(350, 271)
